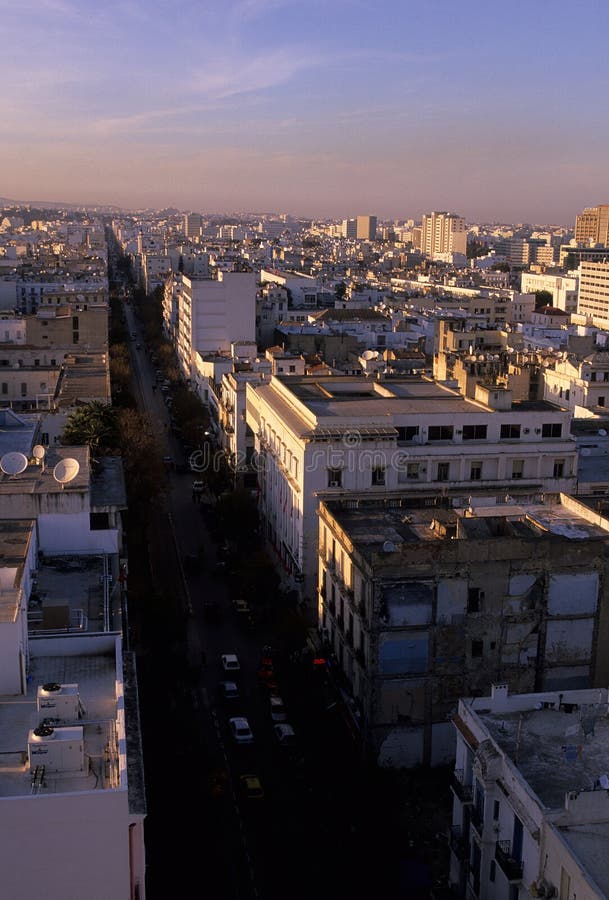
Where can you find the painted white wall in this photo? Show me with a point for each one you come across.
(72, 534)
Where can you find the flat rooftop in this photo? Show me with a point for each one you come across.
(39, 478)
(371, 523)
(558, 751)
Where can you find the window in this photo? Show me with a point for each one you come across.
(24, 389)
(378, 476)
(477, 649)
(335, 477)
(412, 471)
(292, 368)
(492, 870)
(407, 432)
(74, 337)
(601, 401)
(443, 470)
(517, 468)
(510, 432)
(474, 432)
(496, 810)
(475, 471)
(4, 387)
(559, 468)
(99, 521)
(551, 430)
(440, 432)
(473, 600)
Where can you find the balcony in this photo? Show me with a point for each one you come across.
(462, 790)
(511, 868)
(458, 842)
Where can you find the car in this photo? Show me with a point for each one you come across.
(228, 690)
(230, 662)
(277, 707)
(266, 670)
(251, 787)
(240, 730)
(285, 735)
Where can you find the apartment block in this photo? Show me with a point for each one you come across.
(318, 437)
(593, 297)
(443, 233)
(422, 603)
(592, 225)
(531, 795)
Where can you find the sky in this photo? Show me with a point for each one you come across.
(316, 108)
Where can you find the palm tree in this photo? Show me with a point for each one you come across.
(95, 424)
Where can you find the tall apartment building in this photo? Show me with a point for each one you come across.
(442, 233)
(592, 225)
(366, 228)
(212, 313)
(421, 604)
(593, 296)
(192, 224)
(349, 229)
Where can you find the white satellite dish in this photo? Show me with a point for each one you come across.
(13, 463)
(601, 431)
(66, 470)
(38, 452)
(368, 354)
(389, 547)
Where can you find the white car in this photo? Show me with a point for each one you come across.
(240, 730)
(278, 713)
(230, 662)
(285, 735)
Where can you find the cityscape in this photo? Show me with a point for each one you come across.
(304, 450)
(305, 540)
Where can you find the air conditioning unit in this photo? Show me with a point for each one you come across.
(526, 430)
(57, 702)
(59, 750)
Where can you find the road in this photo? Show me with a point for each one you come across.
(324, 825)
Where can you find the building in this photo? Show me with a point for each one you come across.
(593, 296)
(213, 312)
(192, 224)
(443, 233)
(531, 798)
(592, 225)
(318, 437)
(365, 229)
(563, 288)
(349, 229)
(421, 603)
(579, 384)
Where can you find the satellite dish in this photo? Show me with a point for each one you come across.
(66, 470)
(38, 452)
(368, 354)
(389, 547)
(13, 463)
(601, 431)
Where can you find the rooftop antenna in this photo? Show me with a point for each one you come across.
(66, 470)
(14, 463)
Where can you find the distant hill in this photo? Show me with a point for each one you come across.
(46, 204)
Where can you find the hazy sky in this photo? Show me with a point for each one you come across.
(313, 107)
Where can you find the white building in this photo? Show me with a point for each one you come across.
(531, 795)
(443, 233)
(564, 288)
(593, 297)
(323, 436)
(213, 312)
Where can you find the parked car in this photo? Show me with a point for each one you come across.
(240, 730)
(277, 706)
(285, 735)
(251, 787)
(230, 662)
(228, 690)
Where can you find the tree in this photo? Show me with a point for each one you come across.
(543, 298)
(96, 425)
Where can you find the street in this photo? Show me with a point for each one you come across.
(325, 823)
